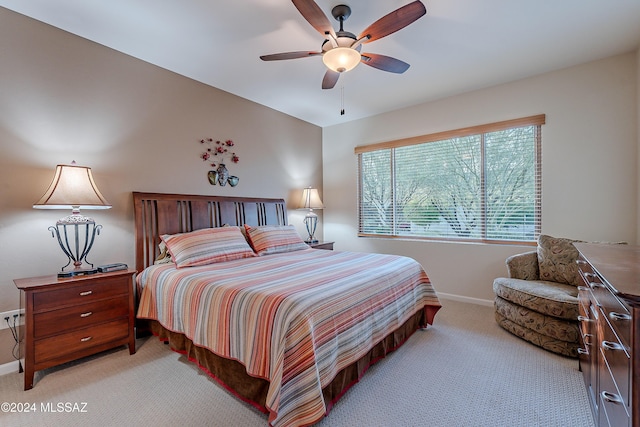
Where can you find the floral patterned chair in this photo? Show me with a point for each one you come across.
(538, 302)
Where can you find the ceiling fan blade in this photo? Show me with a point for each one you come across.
(330, 79)
(394, 21)
(314, 15)
(384, 63)
(289, 55)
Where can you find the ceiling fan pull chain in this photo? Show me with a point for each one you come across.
(342, 100)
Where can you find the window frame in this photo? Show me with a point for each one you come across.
(536, 120)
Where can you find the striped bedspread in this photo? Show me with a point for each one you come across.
(295, 319)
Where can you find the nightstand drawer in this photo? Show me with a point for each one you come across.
(80, 294)
(79, 316)
(81, 339)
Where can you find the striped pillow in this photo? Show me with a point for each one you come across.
(274, 239)
(207, 246)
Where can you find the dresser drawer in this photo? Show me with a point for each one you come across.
(616, 358)
(615, 312)
(618, 318)
(585, 270)
(584, 313)
(79, 316)
(80, 294)
(78, 340)
(612, 409)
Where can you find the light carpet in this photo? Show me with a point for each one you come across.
(463, 371)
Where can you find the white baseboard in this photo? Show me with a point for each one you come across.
(466, 299)
(9, 368)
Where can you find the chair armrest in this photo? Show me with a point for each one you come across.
(524, 266)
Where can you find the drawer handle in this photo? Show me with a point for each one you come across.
(596, 285)
(617, 317)
(85, 339)
(586, 336)
(582, 288)
(611, 397)
(584, 319)
(583, 351)
(589, 276)
(87, 314)
(85, 293)
(581, 262)
(608, 345)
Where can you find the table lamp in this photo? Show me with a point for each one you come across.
(311, 200)
(73, 188)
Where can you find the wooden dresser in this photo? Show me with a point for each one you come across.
(66, 319)
(610, 331)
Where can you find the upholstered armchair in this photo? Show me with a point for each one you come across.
(538, 302)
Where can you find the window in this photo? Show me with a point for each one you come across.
(475, 184)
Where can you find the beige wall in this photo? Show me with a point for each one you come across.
(63, 98)
(590, 157)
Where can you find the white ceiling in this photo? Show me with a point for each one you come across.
(460, 45)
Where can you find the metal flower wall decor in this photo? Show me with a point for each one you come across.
(216, 153)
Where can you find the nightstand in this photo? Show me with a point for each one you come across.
(322, 245)
(70, 318)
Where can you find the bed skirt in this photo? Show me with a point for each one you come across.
(233, 376)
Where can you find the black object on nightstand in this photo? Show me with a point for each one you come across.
(322, 245)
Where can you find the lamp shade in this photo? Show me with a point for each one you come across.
(310, 199)
(341, 59)
(72, 187)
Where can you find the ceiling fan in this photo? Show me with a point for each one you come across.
(341, 50)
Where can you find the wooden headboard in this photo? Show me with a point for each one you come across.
(158, 213)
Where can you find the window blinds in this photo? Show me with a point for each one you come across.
(480, 183)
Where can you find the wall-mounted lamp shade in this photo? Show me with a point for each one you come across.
(310, 199)
(341, 59)
(72, 187)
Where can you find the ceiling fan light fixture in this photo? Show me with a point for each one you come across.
(341, 49)
(341, 59)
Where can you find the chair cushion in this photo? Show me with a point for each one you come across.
(548, 343)
(549, 298)
(559, 329)
(557, 260)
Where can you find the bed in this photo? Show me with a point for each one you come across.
(289, 331)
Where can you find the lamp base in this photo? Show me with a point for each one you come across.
(77, 272)
(76, 226)
(311, 221)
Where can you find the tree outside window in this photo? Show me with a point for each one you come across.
(481, 186)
